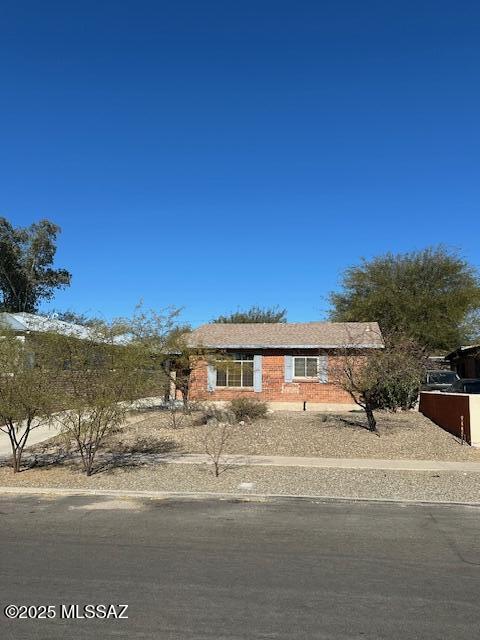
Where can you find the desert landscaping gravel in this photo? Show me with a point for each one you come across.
(401, 436)
(349, 483)
(407, 435)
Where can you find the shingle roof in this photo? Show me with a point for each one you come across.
(313, 335)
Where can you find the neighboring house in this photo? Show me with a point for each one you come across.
(285, 364)
(466, 361)
(26, 326)
(26, 323)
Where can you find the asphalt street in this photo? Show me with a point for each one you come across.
(196, 569)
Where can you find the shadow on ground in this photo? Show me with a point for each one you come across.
(120, 455)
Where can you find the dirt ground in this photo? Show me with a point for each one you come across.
(402, 435)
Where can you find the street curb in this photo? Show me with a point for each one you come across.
(202, 495)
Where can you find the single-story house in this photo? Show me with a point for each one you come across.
(465, 361)
(25, 324)
(30, 323)
(288, 365)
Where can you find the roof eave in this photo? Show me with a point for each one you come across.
(291, 346)
(466, 349)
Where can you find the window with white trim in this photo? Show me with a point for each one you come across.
(305, 367)
(236, 372)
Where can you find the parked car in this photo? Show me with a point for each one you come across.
(466, 385)
(439, 380)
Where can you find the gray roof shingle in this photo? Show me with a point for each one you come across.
(313, 335)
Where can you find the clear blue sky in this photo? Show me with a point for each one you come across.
(215, 155)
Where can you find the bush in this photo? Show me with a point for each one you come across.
(386, 378)
(213, 412)
(397, 392)
(397, 372)
(248, 408)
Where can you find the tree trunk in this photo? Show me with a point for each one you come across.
(168, 383)
(16, 461)
(17, 450)
(186, 407)
(372, 423)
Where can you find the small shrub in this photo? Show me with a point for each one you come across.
(176, 414)
(248, 408)
(212, 412)
(217, 436)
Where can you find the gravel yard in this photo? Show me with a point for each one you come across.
(402, 435)
(407, 485)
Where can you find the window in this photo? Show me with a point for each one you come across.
(305, 367)
(472, 387)
(237, 372)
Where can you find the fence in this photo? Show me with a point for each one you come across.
(457, 413)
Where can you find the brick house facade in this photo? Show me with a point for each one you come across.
(290, 366)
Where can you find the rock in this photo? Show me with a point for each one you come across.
(247, 486)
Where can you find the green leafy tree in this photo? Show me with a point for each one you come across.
(426, 295)
(386, 379)
(28, 383)
(101, 381)
(166, 344)
(254, 314)
(26, 272)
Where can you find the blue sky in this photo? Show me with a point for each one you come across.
(214, 155)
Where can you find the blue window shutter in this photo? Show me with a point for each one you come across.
(211, 377)
(257, 373)
(288, 368)
(323, 369)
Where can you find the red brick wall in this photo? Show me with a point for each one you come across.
(274, 387)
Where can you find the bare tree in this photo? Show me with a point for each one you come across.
(176, 414)
(217, 437)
